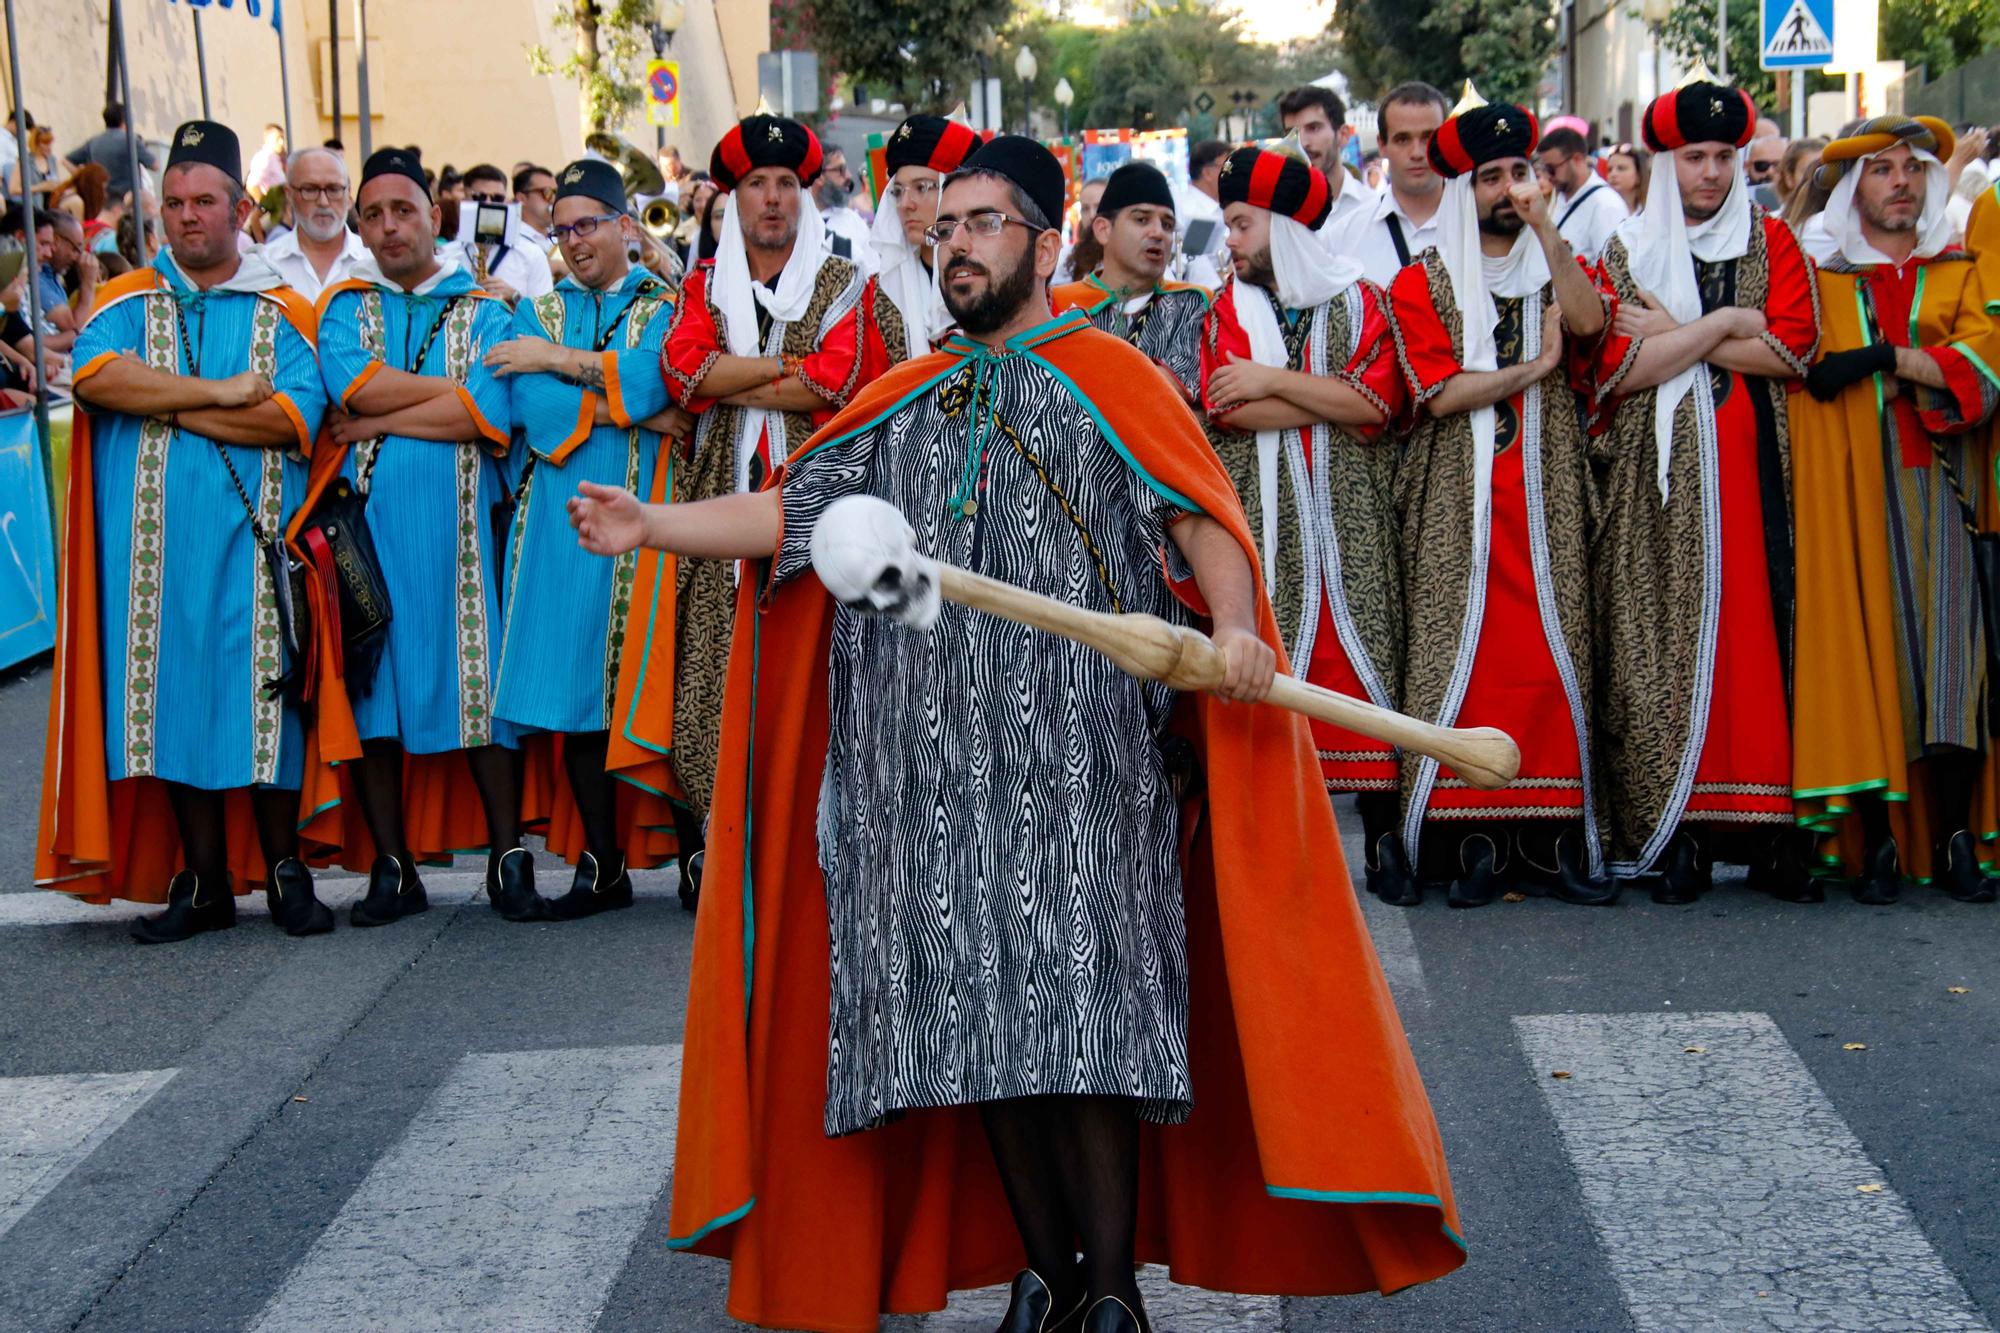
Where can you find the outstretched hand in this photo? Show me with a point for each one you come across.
(609, 520)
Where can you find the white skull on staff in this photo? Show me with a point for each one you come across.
(865, 552)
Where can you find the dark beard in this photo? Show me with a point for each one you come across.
(1258, 271)
(1690, 213)
(1002, 299)
(1497, 223)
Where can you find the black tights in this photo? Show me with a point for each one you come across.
(1070, 1166)
(199, 818)
(688, 832)
(596, 793)
(378, 782)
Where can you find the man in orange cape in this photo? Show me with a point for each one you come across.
(1065, 983)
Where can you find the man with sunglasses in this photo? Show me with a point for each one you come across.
(986, 923)
(518, 267)
(1586, 210)
(590, 400)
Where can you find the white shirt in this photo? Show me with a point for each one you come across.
(1371, 243)
(1597, 212)
(845, 222)
(285, 256)
(521, 267)
(1353, 207)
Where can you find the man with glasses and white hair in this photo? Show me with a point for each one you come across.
(319, 250)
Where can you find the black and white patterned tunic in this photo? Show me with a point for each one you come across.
(998, 839)
(1166, 324)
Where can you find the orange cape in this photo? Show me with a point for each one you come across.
(1311, 1164)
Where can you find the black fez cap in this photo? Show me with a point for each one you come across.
(765, 141)
(1277, 182)
(393, 162)
(209, 143)
(1135, 183)
(593, 180)
(1487, 133)
(1028, 165)
(1699, 113)
(930, 141)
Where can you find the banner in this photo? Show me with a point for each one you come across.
(27, 547)
(253, 8)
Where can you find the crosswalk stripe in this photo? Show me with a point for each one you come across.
(1726, 1191)
(1169, 1308)
(511, 1202)
(50, 1123)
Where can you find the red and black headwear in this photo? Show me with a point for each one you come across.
(930, 141)
(1482, 134)
(1699, 113)
(1277, 182)
(765, 141)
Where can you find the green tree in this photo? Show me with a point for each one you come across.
(1505, 44)
(1689, 33)
(1387, 42)
(609, 35)
(1937, 34)
(922, 53)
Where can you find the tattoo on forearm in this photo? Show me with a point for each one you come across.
(591, 373)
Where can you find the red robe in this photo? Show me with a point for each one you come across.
(1311, 1163)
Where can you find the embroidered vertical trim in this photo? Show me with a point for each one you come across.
(1319, 363)
(373, 340)
(475, 670)
(266, 641)
(626, 566)
(149, 542)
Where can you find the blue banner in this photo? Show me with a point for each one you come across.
(27, 546)
(254, 8)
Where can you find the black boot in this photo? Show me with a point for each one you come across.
(1480, 880)
(1785, 869)
(294, 909)
(192, 908)
(394, 892)
(1389, 875)
(1963, 878)
(1573, 881)
(1112, 1315)
(1881, 881)
(1683, 875)
(510, 887)
(1032, 1307)
(691, 880)
(592, 891)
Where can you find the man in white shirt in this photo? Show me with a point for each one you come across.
(1319, 118)
(1405, 220)
(518, 267)
(1586, 210)
(319, 250)
(1197, 206)
(535, 191)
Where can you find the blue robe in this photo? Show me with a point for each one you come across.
(566, 608)
(428, 508)
(186, 655)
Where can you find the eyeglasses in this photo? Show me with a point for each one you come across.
(1549, 168)
(979, 224)
(546, 193)
(308, 193)
(921, 189)
(582, 228)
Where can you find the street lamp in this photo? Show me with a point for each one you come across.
(1025, 67)
(1064, 96)
(666, 22)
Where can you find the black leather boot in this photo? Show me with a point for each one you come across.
(1112, 1315)
(294, 908)
(394, 892)
(1881, 881)
(1031, 1308)
(1573, 881)
(1963, 878)
(592, 891)
(1785, 869)
(511, 888)
(691, 880)
(1480, 880)
(192, 908)
(1389, 875)
(1683, 875)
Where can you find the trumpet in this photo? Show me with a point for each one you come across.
(660, 218)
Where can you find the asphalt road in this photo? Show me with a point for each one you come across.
(456, 1123)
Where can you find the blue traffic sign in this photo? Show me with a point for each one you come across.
(1798, 34)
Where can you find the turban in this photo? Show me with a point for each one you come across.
(1277, 182)
(209, 143)
(1028, 165)
(1482, 134)
(1699, 113)
(592, 180)
(393, 162)
(1135, 183)
(1922, 133)
(930, 141)
(765, 141)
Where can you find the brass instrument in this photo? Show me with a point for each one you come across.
(661, 217)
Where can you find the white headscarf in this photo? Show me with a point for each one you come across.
(1663, 247)
(1843, 217)
(737, 296)
(1475, 281)
(1308, 275)
(903, 276)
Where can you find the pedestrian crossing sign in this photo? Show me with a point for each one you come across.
(1798, 34)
